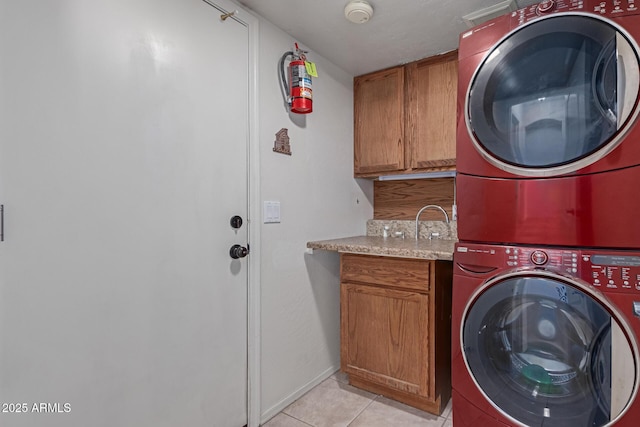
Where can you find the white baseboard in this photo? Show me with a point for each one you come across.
(278, 407)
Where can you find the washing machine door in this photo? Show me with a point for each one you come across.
(555, 95)
(544, 351)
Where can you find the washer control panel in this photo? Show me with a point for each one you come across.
(565, 261)
(608, 270)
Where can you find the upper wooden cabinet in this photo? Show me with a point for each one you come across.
(432, 88)
(405, 118)
(379, 122)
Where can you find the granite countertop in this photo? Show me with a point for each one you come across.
(434, 249)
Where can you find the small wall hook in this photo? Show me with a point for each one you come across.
(228, 15)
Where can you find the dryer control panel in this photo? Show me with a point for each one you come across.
(606, 8)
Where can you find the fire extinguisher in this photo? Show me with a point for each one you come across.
(297, 90)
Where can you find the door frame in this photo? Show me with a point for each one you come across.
(254, 213)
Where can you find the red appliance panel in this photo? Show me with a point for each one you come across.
(484, 37)
(473, 417)
(481, 263)
(487, 34)
(606, 8)
(596, 210)
(472, 52)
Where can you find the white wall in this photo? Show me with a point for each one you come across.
(319, 199)
(115, 276)
(300, 292)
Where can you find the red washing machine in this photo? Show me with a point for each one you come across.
(545, 336)
(548, 141)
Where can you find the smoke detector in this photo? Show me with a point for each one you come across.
(358, 11)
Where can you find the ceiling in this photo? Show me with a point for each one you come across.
(399, 31)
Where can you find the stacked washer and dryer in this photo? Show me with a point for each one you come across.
(546, 290)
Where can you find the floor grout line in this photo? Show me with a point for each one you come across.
(363, 409)
(439, 421)
(298, 419)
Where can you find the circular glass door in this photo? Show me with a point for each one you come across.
(541, 350)
(554, 96)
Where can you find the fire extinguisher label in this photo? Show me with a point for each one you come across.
(306, 93)
(300, 82)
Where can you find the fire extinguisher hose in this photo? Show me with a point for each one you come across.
(283, 79)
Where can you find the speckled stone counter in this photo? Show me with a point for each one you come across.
(390, 246)
(374, 244)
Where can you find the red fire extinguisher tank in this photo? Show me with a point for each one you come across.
(300, 88)
(297, 88)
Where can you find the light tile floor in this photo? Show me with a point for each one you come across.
(334, 403)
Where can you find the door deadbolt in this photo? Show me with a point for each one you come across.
(236, 222)
(238, 251)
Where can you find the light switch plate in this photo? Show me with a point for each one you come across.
(271, 212)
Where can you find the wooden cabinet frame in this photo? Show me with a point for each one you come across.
(405, 118)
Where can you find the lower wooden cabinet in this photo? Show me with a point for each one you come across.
(396, 328)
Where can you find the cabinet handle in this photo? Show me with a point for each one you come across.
(1, 223)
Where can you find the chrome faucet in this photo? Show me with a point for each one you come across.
(424, 208)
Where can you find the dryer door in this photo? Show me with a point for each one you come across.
(554, 96)
(540, 348)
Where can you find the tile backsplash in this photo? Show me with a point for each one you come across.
(375, 227)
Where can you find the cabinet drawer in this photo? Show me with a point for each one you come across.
(386, 271)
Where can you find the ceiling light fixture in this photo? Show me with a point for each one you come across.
(358, 11)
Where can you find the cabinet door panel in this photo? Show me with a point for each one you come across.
(432, 91)
(385, 336)
(379, 122)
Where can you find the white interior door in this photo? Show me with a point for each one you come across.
(123, 156)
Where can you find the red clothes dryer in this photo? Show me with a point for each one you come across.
(545, 336)
(548, 140)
